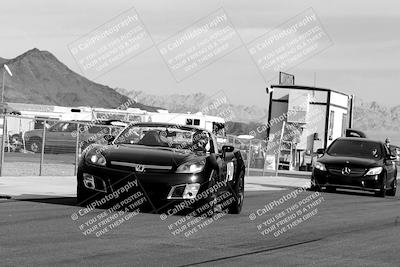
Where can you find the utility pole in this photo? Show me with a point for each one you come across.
(5, 68)
(2, 88)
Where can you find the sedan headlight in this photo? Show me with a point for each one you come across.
(320, 166)
(191, 167)
(96, 158)
(374, 171)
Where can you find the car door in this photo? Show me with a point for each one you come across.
(53, 135)
(61, 138)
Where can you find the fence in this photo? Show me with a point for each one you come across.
(36, 146)
(253, 153)
(44, 146)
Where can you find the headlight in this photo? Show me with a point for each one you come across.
(320, 166)
(191, 167)
(96, 158)
(374, 171)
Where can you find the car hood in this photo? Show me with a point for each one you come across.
(163, 156)
(349, 161)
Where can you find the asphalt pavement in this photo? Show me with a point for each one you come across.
(280, 225)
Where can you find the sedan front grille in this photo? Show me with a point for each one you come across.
(354, 172)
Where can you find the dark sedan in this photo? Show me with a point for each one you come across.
(164, 167)
(356, 163)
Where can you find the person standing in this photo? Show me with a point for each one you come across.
(387, 142)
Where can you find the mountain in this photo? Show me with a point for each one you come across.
(198, 102)
(2, 61)
(40, 78)
(371, 117)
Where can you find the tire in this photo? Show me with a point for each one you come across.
(392, 192)
(82, 195)
(35, 145)
(238, 194)
(210, 200)
(314, 186)
(382, 191)
(16, 138)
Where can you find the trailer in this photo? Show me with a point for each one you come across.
(211, 123)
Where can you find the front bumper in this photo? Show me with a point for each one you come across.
(155, 187)
(372, 183)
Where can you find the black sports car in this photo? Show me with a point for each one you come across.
(169, 167)
(356, 163)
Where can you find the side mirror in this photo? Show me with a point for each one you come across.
(320, 151)
(227, 149)
(109, 138)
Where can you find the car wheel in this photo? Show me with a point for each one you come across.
(238, 194)
(82, 195)
(207, 205)
(382, 191)
(16, 138)
(315, 186)
(35, 145)
(392, 191)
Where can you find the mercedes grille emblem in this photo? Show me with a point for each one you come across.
(346, 171)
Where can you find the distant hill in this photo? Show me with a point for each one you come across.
(373, 116)
(194, 102)
(370, 117)
(40, 78)
(2, 61)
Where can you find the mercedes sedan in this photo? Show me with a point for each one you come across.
(356, 163)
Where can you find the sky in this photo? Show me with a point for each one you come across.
(362, 60)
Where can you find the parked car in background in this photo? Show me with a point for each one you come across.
(62, 136)
(356, 163)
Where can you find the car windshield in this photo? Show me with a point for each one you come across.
(356, 148)
(165, 136)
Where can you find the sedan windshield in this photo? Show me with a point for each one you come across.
(165, 136)
(356, 148)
